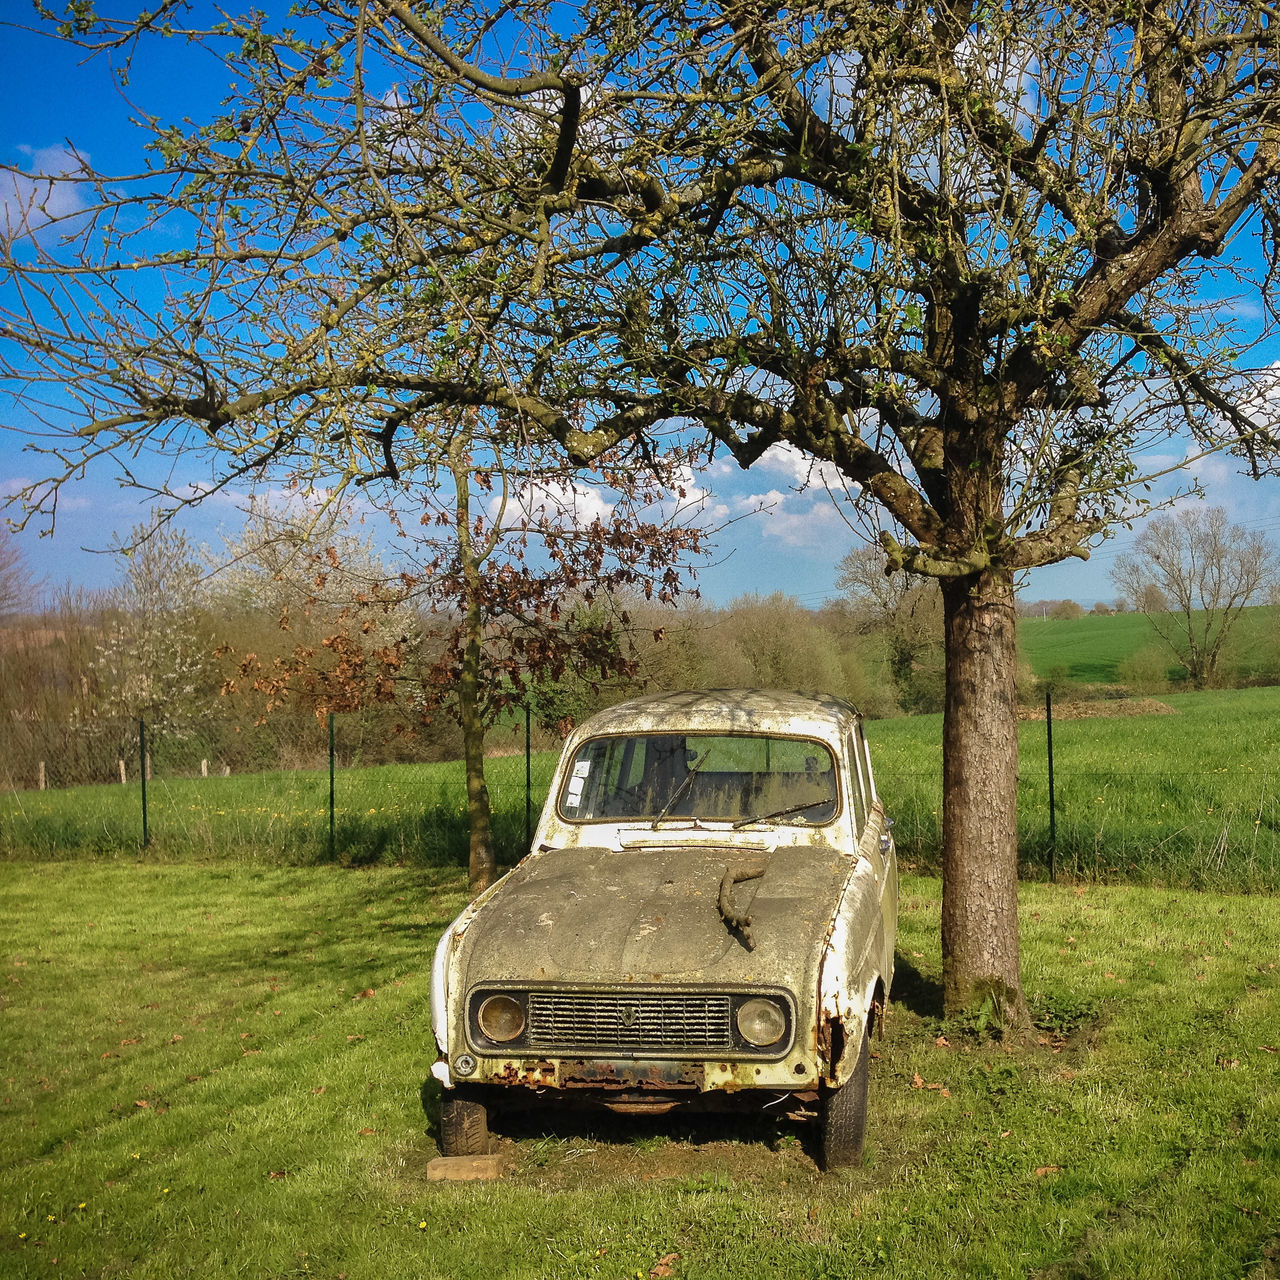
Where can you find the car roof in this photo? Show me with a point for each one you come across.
(757, 711)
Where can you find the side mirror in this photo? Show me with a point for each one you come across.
(886, 840)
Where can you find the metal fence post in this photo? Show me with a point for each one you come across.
(142, 772)
(528, 778)
(1053, 821)
(331, 788)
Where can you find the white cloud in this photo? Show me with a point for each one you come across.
(12, 487)
(813, 526)
(556, 502)
(802, 470)
(42, 196)
(810, 524)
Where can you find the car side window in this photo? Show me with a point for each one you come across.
(858, 786)
(864, 767)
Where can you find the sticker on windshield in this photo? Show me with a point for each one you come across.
(574, 792)
(581, 768)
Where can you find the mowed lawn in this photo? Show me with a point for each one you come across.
(223, 1070)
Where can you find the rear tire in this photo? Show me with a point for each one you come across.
(842, 1115)
(464, 1126)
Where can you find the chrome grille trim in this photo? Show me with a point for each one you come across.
(641, 1020)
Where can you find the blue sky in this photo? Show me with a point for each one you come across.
(49, 99)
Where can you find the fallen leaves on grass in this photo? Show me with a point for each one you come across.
(1045, 1169)
(366, 994)
(665, 1265)
(917, 1082)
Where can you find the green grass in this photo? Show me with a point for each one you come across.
(1090, 650)
(1188, 799)
(286, 1128)
(1084, 650)
(410, 813)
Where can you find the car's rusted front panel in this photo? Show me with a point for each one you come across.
(598, 920)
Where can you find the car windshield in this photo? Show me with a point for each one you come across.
(736, 778)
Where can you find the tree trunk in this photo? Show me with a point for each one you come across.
(481, 863)
(979, 801)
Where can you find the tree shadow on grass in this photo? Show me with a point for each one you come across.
(915, 991)
(771, 1128)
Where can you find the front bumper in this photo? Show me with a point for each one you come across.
(799, 1070)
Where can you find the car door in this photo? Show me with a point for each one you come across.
(877, 844)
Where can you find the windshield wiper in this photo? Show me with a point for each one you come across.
(782, 813)
(684, 786)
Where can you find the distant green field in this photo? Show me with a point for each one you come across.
(1089, 650)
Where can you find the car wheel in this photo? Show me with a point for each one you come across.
(842, 1115)
(464, 1125)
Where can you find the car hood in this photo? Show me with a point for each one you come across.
(588, 916)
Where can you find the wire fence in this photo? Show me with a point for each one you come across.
(286, 789)
(1167, 800)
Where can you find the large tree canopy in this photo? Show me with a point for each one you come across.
(975, 256)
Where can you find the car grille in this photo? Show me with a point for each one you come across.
(643, 1020)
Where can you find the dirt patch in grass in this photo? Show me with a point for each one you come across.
(569, 1149)
(702, 1161)
(1109, 709)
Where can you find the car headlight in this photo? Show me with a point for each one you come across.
(501, 1018)
(761, 1022)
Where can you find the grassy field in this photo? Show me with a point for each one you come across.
(1090, 650)
(220, 1071)
(414, 813)
(1190, 799)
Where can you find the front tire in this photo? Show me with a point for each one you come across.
(842, 1115)
(464, 1125)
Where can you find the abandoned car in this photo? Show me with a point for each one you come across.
(706, 919)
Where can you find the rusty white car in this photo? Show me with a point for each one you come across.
(706, 920)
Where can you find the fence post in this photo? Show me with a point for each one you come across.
(528, 778)
(142, 770)
(1053, 821)
(42, 777)
(331, 788)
